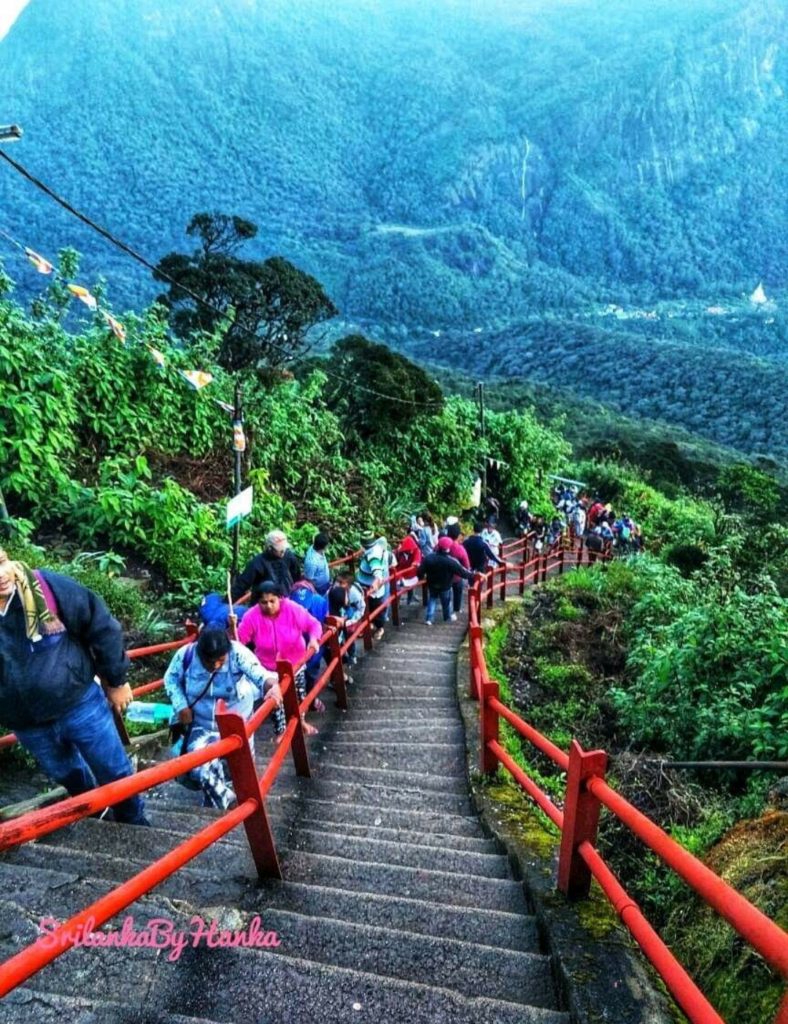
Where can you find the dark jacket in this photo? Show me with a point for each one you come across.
(266, 567)
(41, 680)
(440, 569)
(479, 552)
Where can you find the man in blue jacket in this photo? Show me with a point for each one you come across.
(55, 637)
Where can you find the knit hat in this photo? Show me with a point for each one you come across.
(445, 544)
(368, 539)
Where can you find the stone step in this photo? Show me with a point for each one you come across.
(459, 966)
(189, 883)
(374, 815)
(352, 728)
(149, 844)
(428, 840)
(408, 672)
(279, 988)
(352, 733)
(422, 702)
(384, 851)
(373, 689)
(397, 880)
(441, 758)
(422, 781)
(379, 795)
(27, 1006)
(494, 928)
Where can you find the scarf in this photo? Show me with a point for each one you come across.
(40, 619)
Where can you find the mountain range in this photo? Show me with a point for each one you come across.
(458, 175)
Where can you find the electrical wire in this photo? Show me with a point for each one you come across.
(129, 251)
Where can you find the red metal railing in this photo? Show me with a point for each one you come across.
(587, 793)
(250, 790)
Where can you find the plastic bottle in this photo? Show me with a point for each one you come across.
(153, 714)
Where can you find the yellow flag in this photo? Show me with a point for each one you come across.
(197, 378)
(83, 295)
(115, 326)
(42, 266)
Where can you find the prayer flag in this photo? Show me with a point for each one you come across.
(115, 326)
(197, 378)
(229, 409)
(158, 357)
(83, 295)
(42, 266)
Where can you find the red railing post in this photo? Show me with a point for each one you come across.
(523, 562)
(782, 1013)
(474, 633)
(367, 624)
(581, 819)
(544, 567)
(488, 722)
(490, 581)
(395, 594)
(338, 673)
(502, 571)
(246, 785)
(292, 710)
(561, 563)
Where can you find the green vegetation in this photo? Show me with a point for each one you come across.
(99, 443)
(654, 658)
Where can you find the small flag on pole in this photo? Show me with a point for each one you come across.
(197, 378)
(115, 326)
(229, 409)
(83, 295)
(42, 266)
(158, 357)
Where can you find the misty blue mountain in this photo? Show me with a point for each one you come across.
(584, 193)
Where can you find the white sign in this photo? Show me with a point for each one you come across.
(238, 507)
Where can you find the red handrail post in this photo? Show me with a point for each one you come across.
(544, 567)
(522, 565)
(395, 595)
(490, 581)
(581, 819)
(561, 563)
(782, 1013)
(488, 720)
(247, 787)
(502, 570)
(338, 673)
(367, 624)
(292, 710)
(474, 633)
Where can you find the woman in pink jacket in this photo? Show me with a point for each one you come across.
(277, 628)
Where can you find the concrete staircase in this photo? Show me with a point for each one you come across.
(396, 906)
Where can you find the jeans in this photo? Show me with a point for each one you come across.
(82, 749)
(457, 589)
(432, 603)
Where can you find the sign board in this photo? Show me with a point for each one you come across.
(239, 507)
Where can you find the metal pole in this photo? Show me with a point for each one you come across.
(239, 446)
(482, 433)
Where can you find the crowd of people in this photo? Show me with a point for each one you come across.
(581, 517)
(57, 637)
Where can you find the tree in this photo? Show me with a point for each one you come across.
(269, 306)
(358, 361)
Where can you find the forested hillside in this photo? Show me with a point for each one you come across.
(446, 166)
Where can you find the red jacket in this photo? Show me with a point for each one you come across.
(408, 556)
(458, 551)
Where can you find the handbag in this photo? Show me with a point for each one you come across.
(178, 731)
